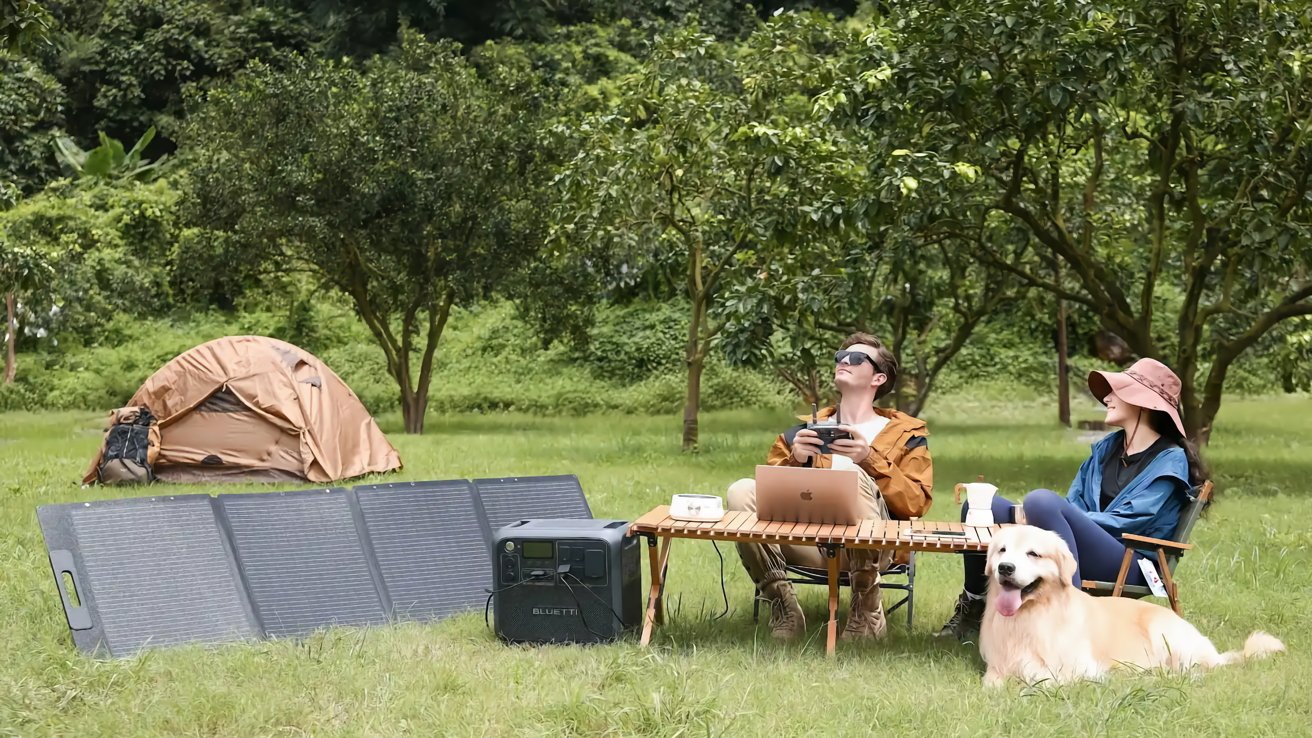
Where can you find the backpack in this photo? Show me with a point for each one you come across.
(130, 448)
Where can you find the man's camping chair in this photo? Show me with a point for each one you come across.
(808, 575)
(1168, 554)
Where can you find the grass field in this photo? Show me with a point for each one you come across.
(1253, 568)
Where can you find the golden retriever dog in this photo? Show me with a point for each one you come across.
(1039, 627)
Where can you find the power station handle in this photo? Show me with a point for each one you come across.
(79, 617)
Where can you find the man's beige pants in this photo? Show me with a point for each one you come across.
(759, 558)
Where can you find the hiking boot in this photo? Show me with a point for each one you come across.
(866, 618)
(786, 618)
(966, 618)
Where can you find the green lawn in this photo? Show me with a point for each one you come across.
(728, 677)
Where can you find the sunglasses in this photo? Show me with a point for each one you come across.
(855, 358)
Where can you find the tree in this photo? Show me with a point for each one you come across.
(859, 260)
(403, 183)
(1157, 153)
(924, 299)
(23, 23)
(31, 112)
(704, 170)
(22, 268)
(126, 63)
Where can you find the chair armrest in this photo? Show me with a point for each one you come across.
(1146, 542)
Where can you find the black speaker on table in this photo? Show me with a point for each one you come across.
(566, 581)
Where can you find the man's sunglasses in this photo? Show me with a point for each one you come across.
(855, 358)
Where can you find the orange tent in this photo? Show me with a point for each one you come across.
(251, 408)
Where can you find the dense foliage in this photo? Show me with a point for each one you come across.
(668, 199)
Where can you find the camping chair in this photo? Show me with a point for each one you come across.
(1168, 554)
(810, 575)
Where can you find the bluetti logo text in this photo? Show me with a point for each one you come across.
(556, 612)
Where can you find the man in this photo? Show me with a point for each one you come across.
(891, 452)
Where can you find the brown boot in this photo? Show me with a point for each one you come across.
(866, 618)
(786, 618)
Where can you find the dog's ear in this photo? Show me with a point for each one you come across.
(1065, 561)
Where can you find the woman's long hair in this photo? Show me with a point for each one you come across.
(1162, 423)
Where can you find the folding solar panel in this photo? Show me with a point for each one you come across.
(430, 541)
(158, 571)
(303, 560)
(510, 499)
(145, 572)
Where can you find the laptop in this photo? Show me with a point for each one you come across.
(794, 494)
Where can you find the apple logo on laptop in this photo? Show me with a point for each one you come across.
(807, 496)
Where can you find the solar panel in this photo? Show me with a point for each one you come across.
(158, 571)
(148, 572)
(430, 541)
(510, 499)
(303, 560)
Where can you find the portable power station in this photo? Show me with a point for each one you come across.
(566, 581)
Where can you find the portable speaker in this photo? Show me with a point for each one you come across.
(566, 581)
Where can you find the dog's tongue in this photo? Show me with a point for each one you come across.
(1007, 601)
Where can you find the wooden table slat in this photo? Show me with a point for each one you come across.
(727, 521)
(652, 517)
(863, 532)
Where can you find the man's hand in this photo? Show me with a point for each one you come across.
(806, 445)
(857, 448)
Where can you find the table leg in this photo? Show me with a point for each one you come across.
(655, 596)
(831, 642)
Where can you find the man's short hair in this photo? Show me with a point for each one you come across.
(885, 361)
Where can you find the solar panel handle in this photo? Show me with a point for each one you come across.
(79, 617)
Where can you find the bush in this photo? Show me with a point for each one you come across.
(17, 396)
(108, 245)
(634, 342)
(488, 361)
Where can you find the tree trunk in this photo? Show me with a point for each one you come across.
(695, 359)
(914, 405)
(692, 405)
(1200, 412)
(921, 397)
(11, 338)
(415, 407)
(412, 410)
(1063, 371)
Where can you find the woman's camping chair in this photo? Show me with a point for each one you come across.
(1168, 553)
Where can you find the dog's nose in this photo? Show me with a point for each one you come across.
(1006, 570)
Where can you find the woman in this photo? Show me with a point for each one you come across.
(1136, 481)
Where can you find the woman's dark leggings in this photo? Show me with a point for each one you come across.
(1098, 554)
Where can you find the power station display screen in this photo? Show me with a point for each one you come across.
(539, 550)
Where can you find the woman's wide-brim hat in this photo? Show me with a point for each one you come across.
(1148, 383)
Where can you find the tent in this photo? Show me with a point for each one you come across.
(252, 408)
